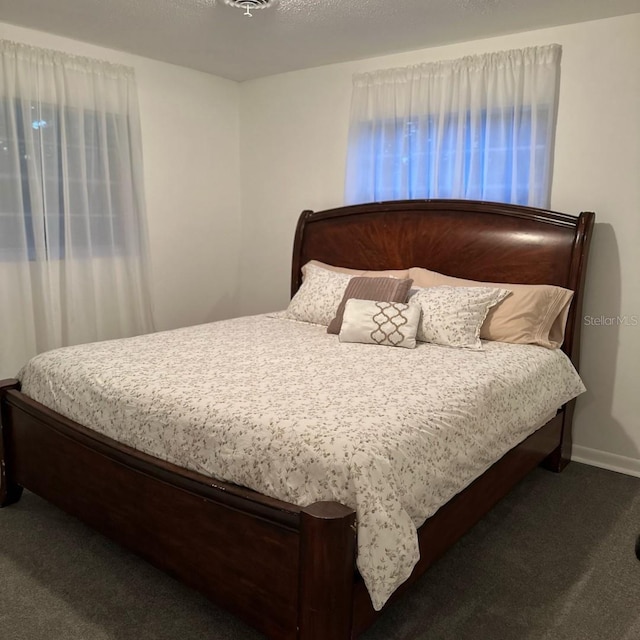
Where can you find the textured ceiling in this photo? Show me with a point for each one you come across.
(294, 34)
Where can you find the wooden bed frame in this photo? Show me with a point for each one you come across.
(290, 571)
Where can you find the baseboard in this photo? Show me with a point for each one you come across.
(605, 460)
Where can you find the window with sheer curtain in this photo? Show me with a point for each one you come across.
(97, 229)
(72, 215)
(481, 127)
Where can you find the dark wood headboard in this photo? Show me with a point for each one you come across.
(486, 241)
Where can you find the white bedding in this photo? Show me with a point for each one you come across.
(283, 408)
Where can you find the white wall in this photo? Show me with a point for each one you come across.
(293, 149)
(190, 137)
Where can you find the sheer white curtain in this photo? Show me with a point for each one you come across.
(72, 232)
(481, 127)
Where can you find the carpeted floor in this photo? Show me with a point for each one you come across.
(554, 560)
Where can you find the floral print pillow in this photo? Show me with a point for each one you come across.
(453, 316)
(319, 296)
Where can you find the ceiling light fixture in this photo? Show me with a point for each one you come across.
(248, 5)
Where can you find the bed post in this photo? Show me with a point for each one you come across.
(561, 457)
(9, 491)
(558, 459)
(327, 567)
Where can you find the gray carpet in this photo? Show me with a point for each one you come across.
(554, 560)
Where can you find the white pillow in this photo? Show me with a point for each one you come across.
(393, 324)
(318, 297)
(453, 316)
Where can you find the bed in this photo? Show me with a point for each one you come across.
(288, 570)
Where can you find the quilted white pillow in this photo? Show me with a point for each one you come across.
(453, 316)
(319, 296)
(393, 324)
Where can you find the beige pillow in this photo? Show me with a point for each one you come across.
(390, 273)
(392, 324)
(364, 288)
(453, 316)
(532, 314)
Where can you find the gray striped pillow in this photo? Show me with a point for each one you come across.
(378, 289)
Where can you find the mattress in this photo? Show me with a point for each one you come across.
(285, 409)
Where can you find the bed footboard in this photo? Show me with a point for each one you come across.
(287, 571)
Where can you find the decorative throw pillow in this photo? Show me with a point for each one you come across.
(318, 297)
(367, 288)
(452, 316)
(392, 324)
(532, 314)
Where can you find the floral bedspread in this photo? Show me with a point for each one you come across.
(283, 408)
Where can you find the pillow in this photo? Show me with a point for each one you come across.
(452, 316)
(532, 314)
(318, 297)
(392, 273)
(392, 324)
(381, 289)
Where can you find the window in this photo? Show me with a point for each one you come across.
(73, 266)
(477, 128)
(433, 159)
(75, 205)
